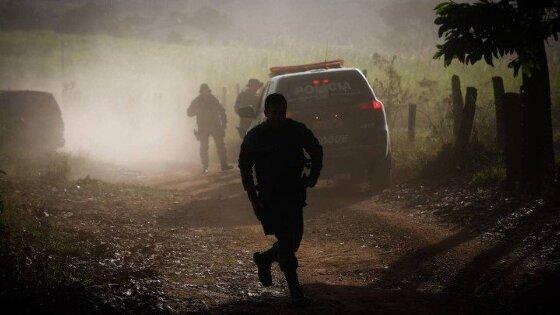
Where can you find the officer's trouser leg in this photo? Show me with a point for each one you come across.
(221, 148)
(203, 138)
(286, 247)
(244, 125)
(284, 251)
(288, 244)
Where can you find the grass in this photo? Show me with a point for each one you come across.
(41, 264)
(103, 62)
(108, 69)
(487, 176)
(49, 55)
(52, 169)
(34, 255)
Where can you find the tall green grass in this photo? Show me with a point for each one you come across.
(110, 66)
(38, 56)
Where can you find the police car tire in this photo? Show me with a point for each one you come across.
(380, 177)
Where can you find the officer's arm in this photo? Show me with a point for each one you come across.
(315, 151)
(193, 109)
(221, 111)
(223, 116)
(238, 102)
(246, 163)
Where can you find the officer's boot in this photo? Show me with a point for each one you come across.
(264, 264)
(298, 298)
(204, 154)
(220, 145)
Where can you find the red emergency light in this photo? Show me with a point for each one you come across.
(319, 82)
(332, 64)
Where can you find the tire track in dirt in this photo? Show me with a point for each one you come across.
(351, 244)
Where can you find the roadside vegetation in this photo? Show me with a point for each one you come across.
(48, 60)
(49, 262)
(37, 257)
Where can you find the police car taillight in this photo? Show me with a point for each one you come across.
(373, 105)
(321, 82)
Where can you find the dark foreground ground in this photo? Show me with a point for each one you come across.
(184, 244)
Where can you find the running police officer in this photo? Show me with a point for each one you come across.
(275, 148)
(211, 120)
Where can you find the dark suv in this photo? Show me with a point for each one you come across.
(30, 123)
(341, 109)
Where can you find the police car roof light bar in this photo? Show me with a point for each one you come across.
(332, 64)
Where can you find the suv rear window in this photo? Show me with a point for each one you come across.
(325, 88)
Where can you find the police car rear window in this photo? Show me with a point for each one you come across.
(320, 88)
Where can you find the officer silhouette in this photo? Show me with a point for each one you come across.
(275, 149)
(211, 121)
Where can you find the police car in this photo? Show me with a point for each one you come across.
(341, 109)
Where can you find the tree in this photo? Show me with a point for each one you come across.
(518, 28)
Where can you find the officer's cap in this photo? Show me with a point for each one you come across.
(204, 88)
(254, 82)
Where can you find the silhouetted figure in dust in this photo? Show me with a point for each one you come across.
(247, 98)
(275, 148)
(211, 120)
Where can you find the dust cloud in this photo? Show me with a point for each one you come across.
(133, 112)
(142, 121)
(124, 72)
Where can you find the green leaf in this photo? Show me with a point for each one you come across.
(461, 56)
(441, 31)
(516, 65)
(488, 58)
(440, 8)
(447, 60)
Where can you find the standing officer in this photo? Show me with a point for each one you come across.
(211, 120)
(275, 148)
(248, 97)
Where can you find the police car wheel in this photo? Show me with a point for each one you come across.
(379, 177)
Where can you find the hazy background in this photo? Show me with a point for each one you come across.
(392, 24)
(124, 71)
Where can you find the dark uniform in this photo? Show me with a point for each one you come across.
(249, 97)
(211, 120)
(277, 154)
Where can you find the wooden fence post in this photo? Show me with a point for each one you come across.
(467, 120)
(457, 109)
(499, 92)
(513, 139)
(224, 96)
(527, 144)
(411, 122)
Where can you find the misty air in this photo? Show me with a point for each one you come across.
(279, 156)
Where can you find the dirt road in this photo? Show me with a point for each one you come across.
(185, 244)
